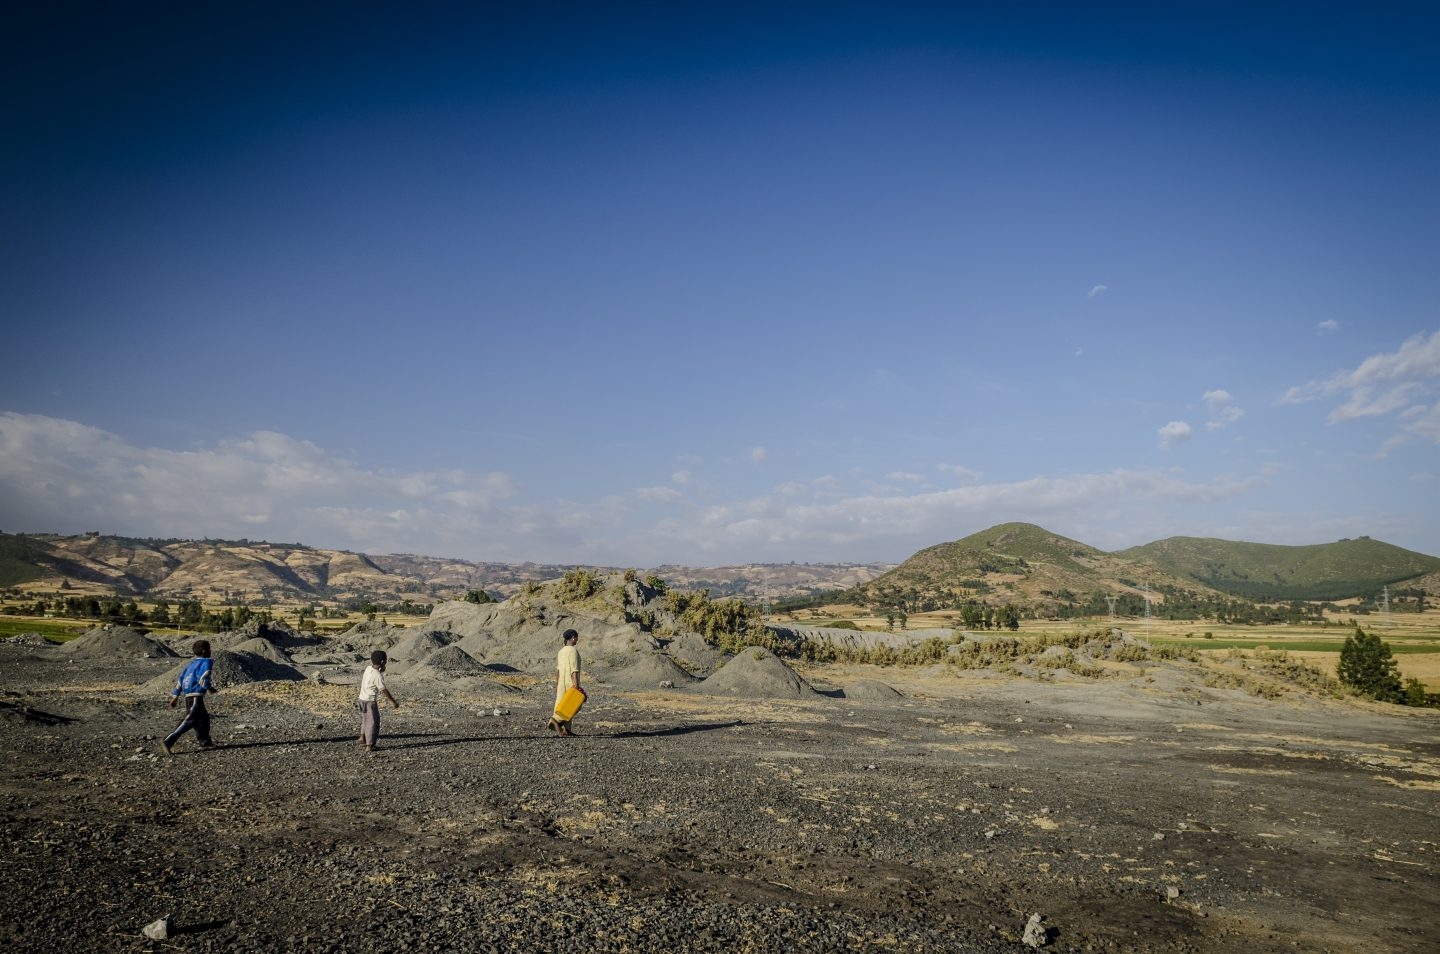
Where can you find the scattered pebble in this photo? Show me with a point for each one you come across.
(158, 930)
(1035, 935)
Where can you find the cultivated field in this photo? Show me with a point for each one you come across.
(1414, 638)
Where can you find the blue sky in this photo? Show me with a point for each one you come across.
(637, 285)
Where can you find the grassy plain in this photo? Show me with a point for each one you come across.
(1413, 638)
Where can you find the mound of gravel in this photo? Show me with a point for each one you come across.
(649, 671)
(449, 662)
(230, 669)
(757, 673)
(261, 646)
(365, 638)
(872, 690)
(417, 646)
(115, 641)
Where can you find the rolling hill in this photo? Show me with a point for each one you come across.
(1034, 568)
(215, 571)
(1264, 571)
(1010, 563)
(1023, 564)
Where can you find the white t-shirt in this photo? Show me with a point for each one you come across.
(371, 684)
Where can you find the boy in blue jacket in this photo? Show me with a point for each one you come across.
(193, 683)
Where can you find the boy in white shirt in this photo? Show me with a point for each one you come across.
(372, 687)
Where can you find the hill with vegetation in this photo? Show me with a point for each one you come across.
(1264, 571)
(1025, 565)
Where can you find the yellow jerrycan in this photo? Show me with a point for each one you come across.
(569, 704)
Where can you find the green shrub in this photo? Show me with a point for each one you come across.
(1367, 667)
(578, 585)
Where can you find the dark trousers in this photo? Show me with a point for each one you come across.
(370, 722)
(197, 718)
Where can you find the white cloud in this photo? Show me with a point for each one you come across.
(960, 471)
(906, 523)
(1418, 357)
(1176, 432)
(61, 475)
(1097, 290)
(67, 477)
(1425, 423)
(659, 494)
(680, 477)
(1364, 402)
(902, 477)
(1327, 326)
(1223, 409)
(1383, 384)
(758, 454)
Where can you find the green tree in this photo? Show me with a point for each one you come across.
(1367, 666)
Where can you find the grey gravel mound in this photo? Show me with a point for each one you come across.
(872, 690)
(230, 668)
(364, 638)
(261, 646)
(450, 662)
(649, 671)
(417, 646)
(757, 673)
(114, 641)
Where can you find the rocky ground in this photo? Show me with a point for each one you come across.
(1142, 812)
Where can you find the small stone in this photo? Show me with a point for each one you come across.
(1172, 892)
(158, 930)
(1159, 836)
(1035, 935)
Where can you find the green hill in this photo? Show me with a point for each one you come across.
(21, 559)
(1264, 571)
(1020, 563)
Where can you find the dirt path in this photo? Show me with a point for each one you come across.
(1131, 818)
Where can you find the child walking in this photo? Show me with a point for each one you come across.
(372, 687)
(193, 684)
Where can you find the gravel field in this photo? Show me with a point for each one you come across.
(1143, 812)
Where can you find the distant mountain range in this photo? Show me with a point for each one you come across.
(1012, 562)
(253, 572)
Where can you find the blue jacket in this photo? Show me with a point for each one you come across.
(195, 680)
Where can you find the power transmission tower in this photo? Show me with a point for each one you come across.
(1110, 601)
(1147, 609)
